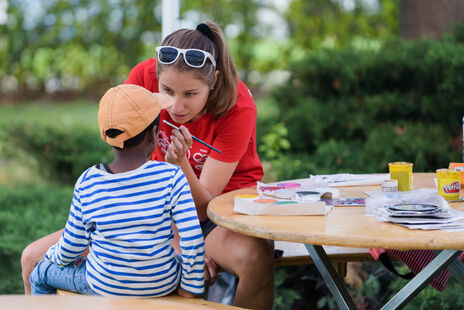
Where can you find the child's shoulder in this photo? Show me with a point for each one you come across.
(166, 171)
(163, 166)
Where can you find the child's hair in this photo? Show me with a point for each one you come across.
(134, 141)
(222, 97)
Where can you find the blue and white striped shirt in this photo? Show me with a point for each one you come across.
(127, 216)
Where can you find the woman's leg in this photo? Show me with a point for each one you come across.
(33, 253)
(251, 260)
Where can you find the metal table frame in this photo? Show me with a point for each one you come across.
(444, 259)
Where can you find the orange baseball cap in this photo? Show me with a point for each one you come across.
(129, 108)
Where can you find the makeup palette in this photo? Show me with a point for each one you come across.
(256, 205)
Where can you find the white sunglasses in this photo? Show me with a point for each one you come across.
(193, 57)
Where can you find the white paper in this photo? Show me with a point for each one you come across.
(348, 179)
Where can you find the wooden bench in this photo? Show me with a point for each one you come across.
(293, 254)
(65, 300)
(296, 254)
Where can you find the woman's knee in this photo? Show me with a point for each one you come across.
(28, 258)
(35, 251)
(255, 255)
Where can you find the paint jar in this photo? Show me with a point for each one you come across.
(448, 184)
(402, 172)
(390, 186)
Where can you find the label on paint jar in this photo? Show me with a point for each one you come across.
(448, 184)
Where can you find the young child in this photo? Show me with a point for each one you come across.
(123, 213)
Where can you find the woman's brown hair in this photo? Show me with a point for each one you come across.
(224, 92)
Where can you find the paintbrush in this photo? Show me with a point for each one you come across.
(194, 138)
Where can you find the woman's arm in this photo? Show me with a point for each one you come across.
(213, 179)
(33, 253)
(214, 176)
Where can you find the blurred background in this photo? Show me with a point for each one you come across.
(340, 86)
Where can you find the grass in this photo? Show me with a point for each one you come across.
(83, 113)
(79, 112)
(20, 168)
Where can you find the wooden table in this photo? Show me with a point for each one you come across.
(349, 227)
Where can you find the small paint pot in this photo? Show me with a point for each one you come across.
(289, 185)
(285, 202)
(390, 185)
(264, 201)
(246, 196)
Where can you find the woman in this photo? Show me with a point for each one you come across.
(196, 69)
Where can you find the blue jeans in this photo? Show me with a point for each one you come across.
(47, 277)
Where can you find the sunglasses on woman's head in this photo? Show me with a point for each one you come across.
(193, 57)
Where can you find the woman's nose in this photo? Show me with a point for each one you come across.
(178, 105)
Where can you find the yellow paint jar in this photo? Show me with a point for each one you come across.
(448, 183)
(402, 172)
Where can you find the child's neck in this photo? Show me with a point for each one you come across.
(128, 160)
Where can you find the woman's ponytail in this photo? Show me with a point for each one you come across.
(224, 94)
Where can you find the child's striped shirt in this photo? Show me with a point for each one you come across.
(127, 217)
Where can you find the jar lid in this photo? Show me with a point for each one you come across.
(390, 183)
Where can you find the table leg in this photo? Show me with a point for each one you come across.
(422, 279)
(331, 277)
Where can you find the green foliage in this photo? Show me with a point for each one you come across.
(355, 111)
(85, 46)
(430, 298)
(63, 153)
(27, 213)
(57, 142)
(275, 141)
(82, 45)
(320, 22)
(284, 296)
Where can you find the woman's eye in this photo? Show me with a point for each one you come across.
(190, 94)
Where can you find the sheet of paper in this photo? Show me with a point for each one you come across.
(348, 179)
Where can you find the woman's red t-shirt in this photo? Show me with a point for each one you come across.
(234, 133)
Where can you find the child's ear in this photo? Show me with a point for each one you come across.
(155, 134)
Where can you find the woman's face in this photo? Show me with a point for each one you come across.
(189, 94)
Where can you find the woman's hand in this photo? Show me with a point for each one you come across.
(210, 271)
(181, 141)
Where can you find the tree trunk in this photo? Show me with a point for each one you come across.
(429, 18)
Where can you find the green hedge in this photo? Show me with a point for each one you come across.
(27, 213)
(355, 111)
(62, 152)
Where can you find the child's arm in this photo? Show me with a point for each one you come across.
(191, 238)
(75, 238)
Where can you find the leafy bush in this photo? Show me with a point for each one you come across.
(27, 213)
(63, 153)
(450, 298)
(355, 111)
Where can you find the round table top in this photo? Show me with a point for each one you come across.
(343, 226)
